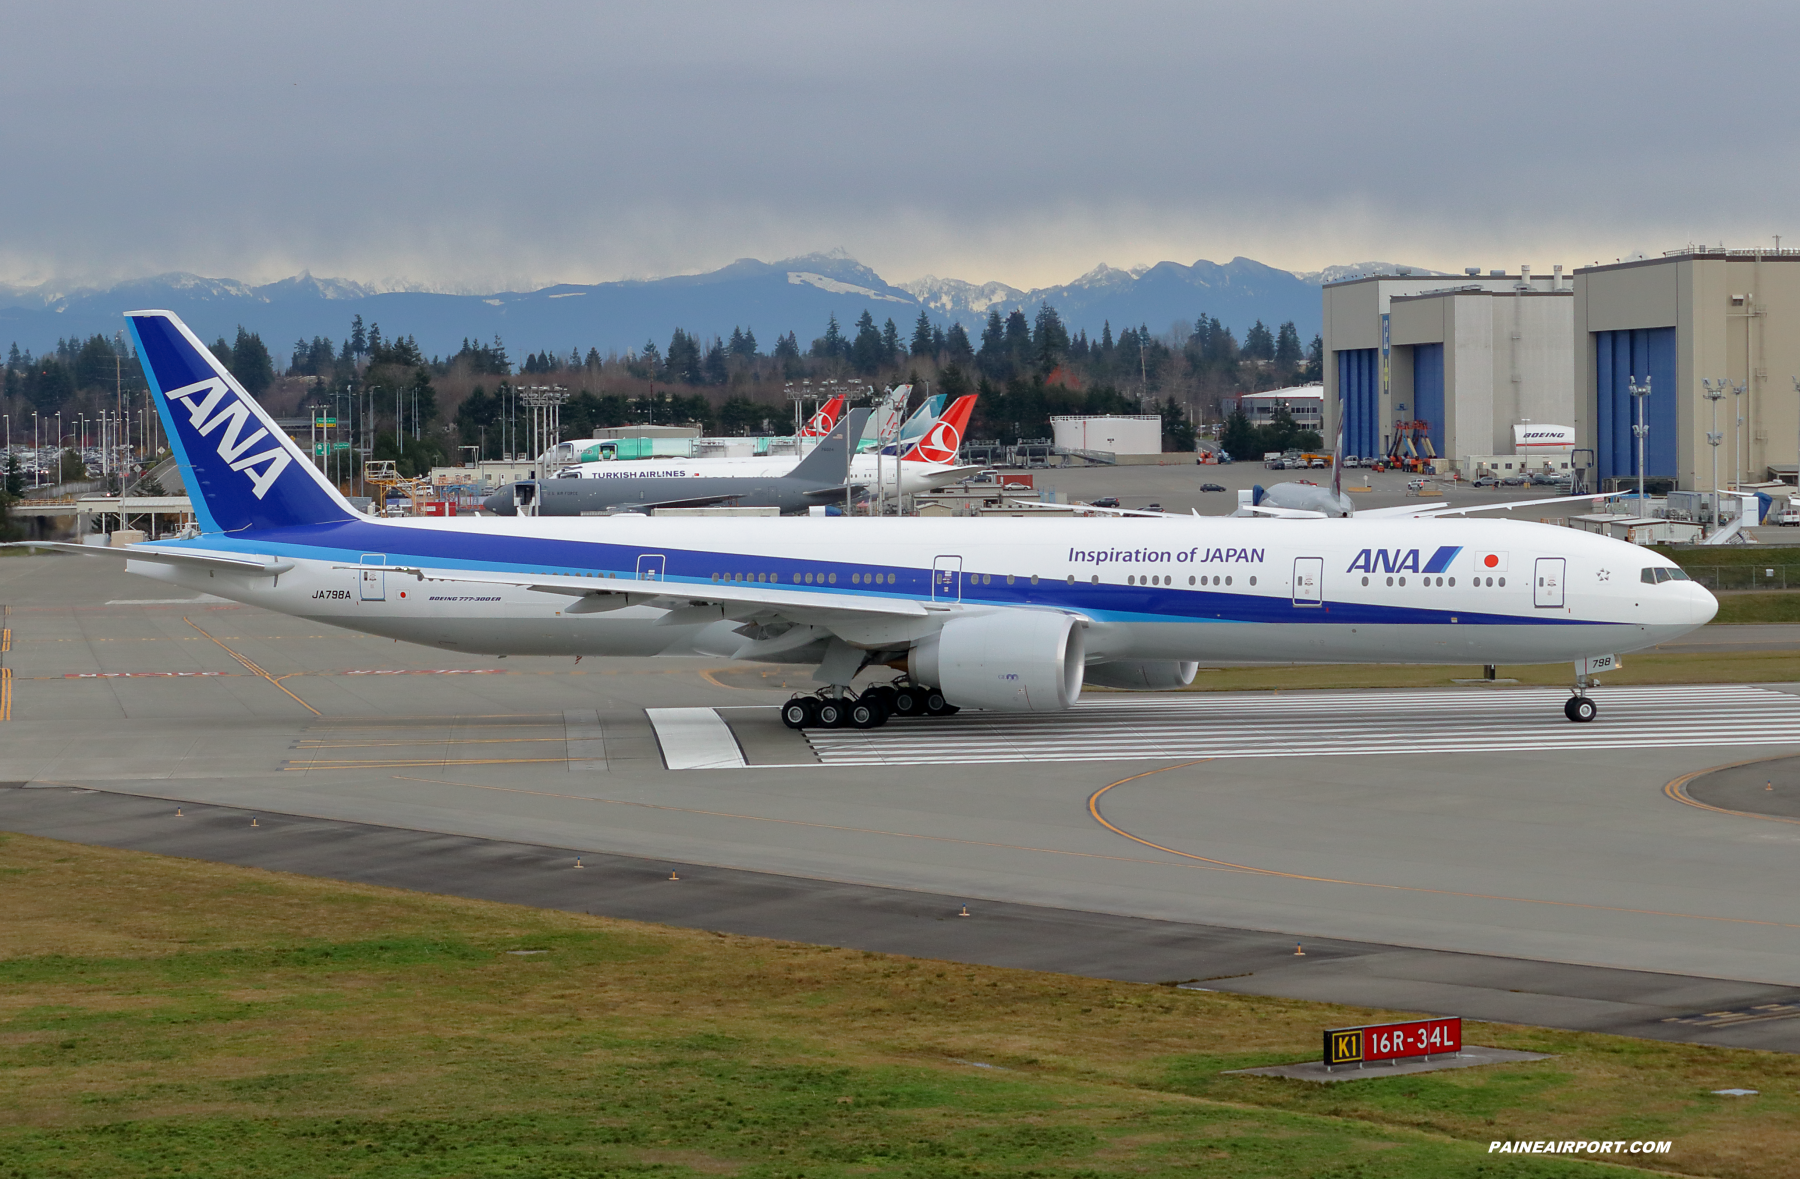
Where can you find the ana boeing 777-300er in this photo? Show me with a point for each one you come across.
(1005, 614)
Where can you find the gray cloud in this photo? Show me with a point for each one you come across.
(482, 144)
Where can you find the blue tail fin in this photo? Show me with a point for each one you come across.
(242, 470)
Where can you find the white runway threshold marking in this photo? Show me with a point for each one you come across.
(695, 739)
(1326, 724)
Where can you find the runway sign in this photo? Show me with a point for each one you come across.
(1392, 1041)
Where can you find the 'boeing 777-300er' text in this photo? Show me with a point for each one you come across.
(1004, 614)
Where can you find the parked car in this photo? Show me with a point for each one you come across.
(1106, 501)
(1788, 518)
(1513, 481)
(1211, 487)
(1153, 507)
(1484, 481)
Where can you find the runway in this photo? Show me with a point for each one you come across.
(1326, 724)
(1428, 827)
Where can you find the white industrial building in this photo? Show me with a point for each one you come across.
(1304, 403)
(1119, 434)
(1445, 368)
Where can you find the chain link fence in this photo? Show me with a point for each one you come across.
(1746, 577)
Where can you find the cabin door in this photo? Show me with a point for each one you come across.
(372, 583)
(946, 579)
(1547, 586)
(650, 567)
(1309, 581)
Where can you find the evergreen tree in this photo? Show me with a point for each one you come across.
(992, 359)
(866, 349)
(373, 347)
(14, 359)
(684, 358)
(1287, 347)
(939, 342)
(923, 343)
(787, 356)
(714, 367)
(1049, 338)
(423, 397)
(749, 343)
(957, 349)
(359, 341)
(593, 358)
(222, 351)
(830, 346)
(1239, 438)
(250, 363)
(737, 341)
(890, 342)
(1259, 343)
(15, 475)
(1315, 361)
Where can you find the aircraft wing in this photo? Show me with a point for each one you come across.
(266, 566)
(610, 594)
(1281, 513)
(1434, 510)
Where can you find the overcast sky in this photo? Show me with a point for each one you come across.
(489, 145)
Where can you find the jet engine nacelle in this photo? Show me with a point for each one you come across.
(1143, 675)
(1008, 661)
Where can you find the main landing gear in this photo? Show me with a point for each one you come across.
(835, 708)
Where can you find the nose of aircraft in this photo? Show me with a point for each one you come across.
(500, 503)
(1705, 605)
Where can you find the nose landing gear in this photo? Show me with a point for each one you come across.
(1580, 709)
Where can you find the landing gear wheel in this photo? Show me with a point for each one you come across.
(907, 700)
(868, 712)
(802, 712)
(833, 714)
(882, 692)
(1580, 709)
(936, 705)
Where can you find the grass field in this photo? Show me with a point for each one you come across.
(164, 1016)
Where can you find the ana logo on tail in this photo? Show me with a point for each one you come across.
(209, 410)
(942, 442)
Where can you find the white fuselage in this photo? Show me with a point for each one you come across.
(913, 476)
(1202, 588)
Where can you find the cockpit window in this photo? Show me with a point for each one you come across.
(1679, 575)
(1654, 574)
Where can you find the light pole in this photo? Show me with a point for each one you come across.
(1737, 435)
(37, 463)
(1641, 429)
(1713, 395)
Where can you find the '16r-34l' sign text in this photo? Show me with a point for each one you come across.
(1392, 1041)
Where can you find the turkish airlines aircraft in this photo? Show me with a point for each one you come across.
(826, 417)
(1007, 614)
(929, 463)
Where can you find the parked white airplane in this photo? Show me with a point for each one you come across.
(1006, 614)
(930, 462)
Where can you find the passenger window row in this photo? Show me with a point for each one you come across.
(1446, 581)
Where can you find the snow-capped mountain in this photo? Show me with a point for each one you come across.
(1319, 278)
(771, 298)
